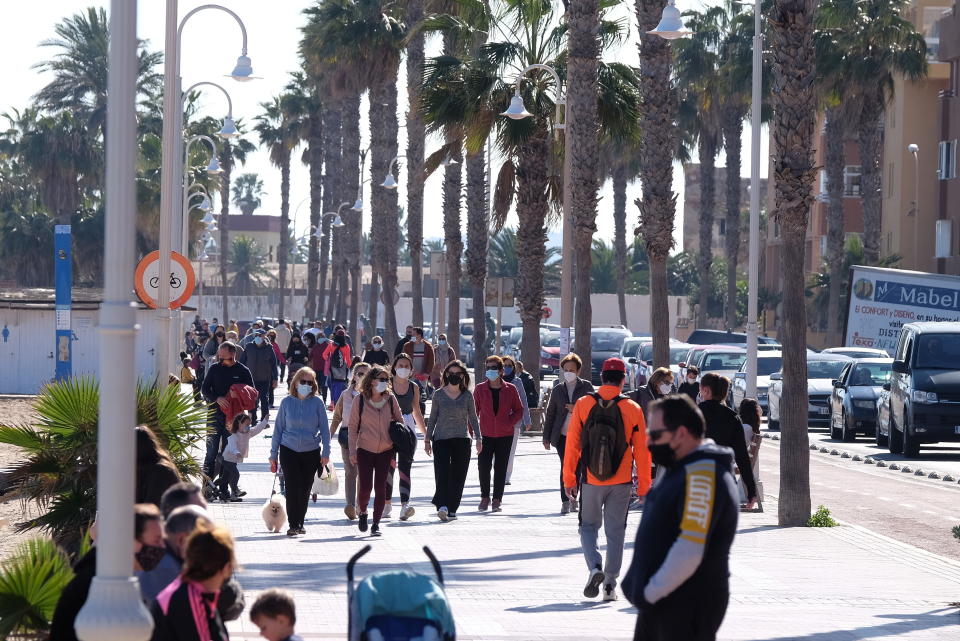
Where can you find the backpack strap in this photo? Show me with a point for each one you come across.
(360, 418)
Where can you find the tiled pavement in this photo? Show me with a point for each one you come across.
(518, 575)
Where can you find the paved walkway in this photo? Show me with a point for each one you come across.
(518, 575)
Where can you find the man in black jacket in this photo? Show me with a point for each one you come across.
(679, 576)
(403, 341)
(216, 385)
(725, 428)
(262, 363)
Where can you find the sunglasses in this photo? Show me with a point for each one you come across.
(307, 380)
(221, 335)
(454, 371)
(494, 366)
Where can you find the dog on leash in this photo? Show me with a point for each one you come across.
(274, 513)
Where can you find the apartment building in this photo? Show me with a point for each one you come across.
(948, 187)
(692, 207)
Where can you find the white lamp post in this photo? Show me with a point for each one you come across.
(671, 25)
(518, 111)
(170, 169)
(114, 610)
(390, 182)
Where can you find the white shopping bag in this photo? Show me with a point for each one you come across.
(326, 483)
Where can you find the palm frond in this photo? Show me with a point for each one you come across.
(503, 194)
(31, 582)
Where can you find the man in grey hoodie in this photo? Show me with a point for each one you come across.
(262, 363)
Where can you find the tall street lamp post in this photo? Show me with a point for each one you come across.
(114, 610)
(170, 169)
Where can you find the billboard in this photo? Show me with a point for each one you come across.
(881, 300)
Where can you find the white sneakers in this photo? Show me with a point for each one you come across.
(443, 514)
(609, 592)
(592, 589)
(387, 509)
(406, 511)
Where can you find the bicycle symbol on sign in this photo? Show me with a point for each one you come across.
(175, 282)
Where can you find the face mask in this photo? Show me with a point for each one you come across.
(322, 339)
(304, 390)
(441, 342)
(455, 379)
(340, 340)
(150, 556)
(258, 341)
(381, 386)
(377, 345)
(662, 454)
(691, 379)
(570, 376)
(403, 372)
(493, 374)
(665, 388)
(507, 370)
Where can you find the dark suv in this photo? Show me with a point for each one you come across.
(924, 387)
(720, 337)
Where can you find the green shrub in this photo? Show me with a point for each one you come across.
(956, 531)
(30, 585)
(59, 470)
(821, 518)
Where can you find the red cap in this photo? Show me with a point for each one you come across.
(614, 365)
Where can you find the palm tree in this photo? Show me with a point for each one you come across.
(794, 102)
(247, 190)
(883, 45)
(416, 136)
(603, 268)
(248, 264)
(231, 150)
(503, 260)
(279, 130)
(658, 203)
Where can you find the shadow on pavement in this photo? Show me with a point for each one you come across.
(902, 623)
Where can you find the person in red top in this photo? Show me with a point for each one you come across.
(606, 501)
(318, 362)
(499, 409)
(337, 365)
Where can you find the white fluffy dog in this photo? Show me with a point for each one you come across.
(274, 513)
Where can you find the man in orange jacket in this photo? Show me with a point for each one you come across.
(605, 494)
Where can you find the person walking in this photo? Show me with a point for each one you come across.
(608, 435)
(679, 576)
(338, 426)
(297, 355)
(499, 409)
(376, 355)
(237, 449)
(261, 360)
(659, 386)
(421, 355)
(407, 337)
(156, 470)
(300, 444)
(318, 361)
(408, 398)
(750, 415)
(337, 364)
(725, 427)
(452, 424)
(568, 390)
(371, 448)
(210, 347)
(221, 376)
(690, 386)
(281, 361)
(284, 333)
(443, 355)
(511, 376)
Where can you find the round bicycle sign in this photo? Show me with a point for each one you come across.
(147, 279)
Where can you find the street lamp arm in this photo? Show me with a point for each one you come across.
(342, 205)
(393, 163)
(212, 84)
(553, 72)
(243, 28)
(207, 139)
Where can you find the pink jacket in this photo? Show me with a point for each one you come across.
(511, 409)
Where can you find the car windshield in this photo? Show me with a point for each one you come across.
(767, 365)
(825, 369)
(717, 361)
(870, 374)
(677, 354)
(646, 353)
(550, 339)
(466, 330)
(607, 341)
(630, 346)
(938, 351)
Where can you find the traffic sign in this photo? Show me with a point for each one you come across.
(546, 313)
(146, 280)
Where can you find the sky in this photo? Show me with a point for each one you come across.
(211, 43)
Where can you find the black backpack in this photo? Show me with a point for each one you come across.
(603, 440)
(338, 365)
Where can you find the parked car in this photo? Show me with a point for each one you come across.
(853, 403)
(550, 352)
(822, 370)
(925, 387)
(605, 342)
(678, 352)
(856, 352)
(629, 354)
(512, 344)
(882, 433)
(724, 360)
(720, 337)
(768, 365)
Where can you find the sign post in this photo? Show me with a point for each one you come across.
(63, 278)
(499, 294)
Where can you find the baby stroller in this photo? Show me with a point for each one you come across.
(398, 605)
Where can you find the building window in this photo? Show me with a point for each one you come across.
(947, 167)
(931, 31)
(851, 181)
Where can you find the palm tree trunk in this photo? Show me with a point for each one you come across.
(835, 135)
(707, 151)
(732, 133)
(226, 164)
(478, 223)
(383, 230)
(793, 98)
(315, 151)
(868, 143)
(391, 236)
(416, 135)
(331, 189)
(349, 169)
(620, 238)
(658, 139)
(452, 177)
(583, 64)
(532, 208)
(343, 281)
(284, 249)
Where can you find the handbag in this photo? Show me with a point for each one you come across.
(403, 437)
(326, 483)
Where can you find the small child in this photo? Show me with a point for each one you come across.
(187, 376)
(275, 614)
(237, 448)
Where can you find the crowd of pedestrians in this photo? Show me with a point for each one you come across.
(669, 449)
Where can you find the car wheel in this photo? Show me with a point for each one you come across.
(911, 444)
(895, 442)
(847, 433)
(834, 432)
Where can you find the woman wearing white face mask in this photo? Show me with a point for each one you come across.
(407, 394)
(299, 433)
(659, 385)
(376, 355)
(568, 390)
(443, 355)
(341, 412)
(371, 448)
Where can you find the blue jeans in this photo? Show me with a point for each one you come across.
(322, 384)
(336, 389)
(264, 389)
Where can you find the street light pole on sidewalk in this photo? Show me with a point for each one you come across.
(753, 267)
(114, 610)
